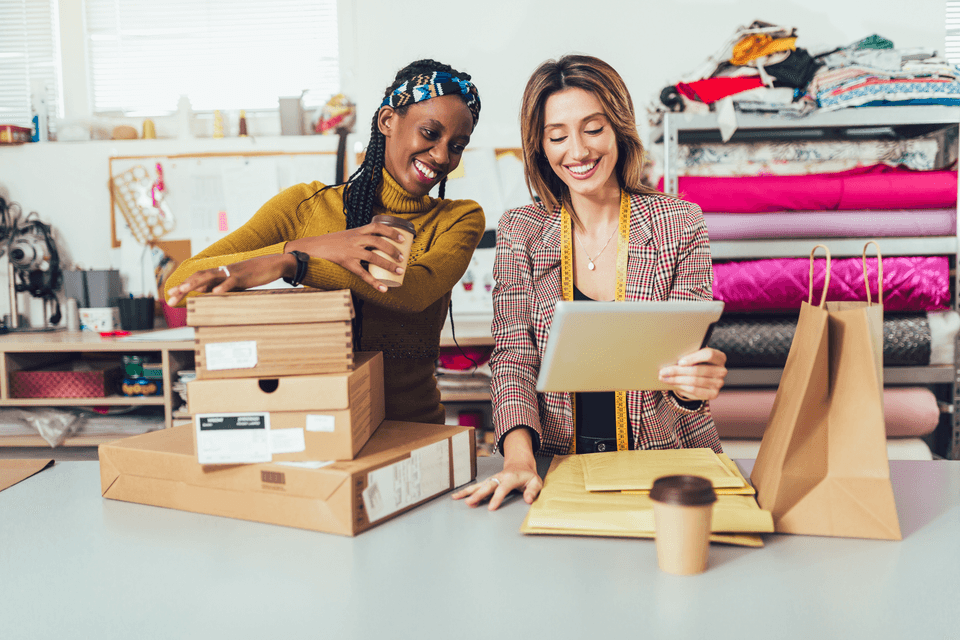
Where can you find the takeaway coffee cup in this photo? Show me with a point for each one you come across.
(682, 511)
(406, 229)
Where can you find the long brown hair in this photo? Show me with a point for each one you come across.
(599, 78)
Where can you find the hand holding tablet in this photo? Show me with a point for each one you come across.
(622, 346)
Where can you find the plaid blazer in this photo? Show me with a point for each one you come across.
(668, 259)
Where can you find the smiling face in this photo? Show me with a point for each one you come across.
(426, 143)
(580, 144)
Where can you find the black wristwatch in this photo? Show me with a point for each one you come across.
(302, 261)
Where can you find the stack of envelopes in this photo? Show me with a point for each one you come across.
(608, 494)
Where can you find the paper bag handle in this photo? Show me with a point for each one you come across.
(866, 282)
(826, 279)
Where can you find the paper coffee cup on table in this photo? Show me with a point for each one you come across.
(404, 228)
(682, 511)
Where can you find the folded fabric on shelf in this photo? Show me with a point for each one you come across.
(877, 187)
(910, 283)
(743, 413)
(714, 89)
(830, 224)
(931, 151)
(763, 340)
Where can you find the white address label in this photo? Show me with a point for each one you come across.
(231, 355)
(321, 423)
(233, 438)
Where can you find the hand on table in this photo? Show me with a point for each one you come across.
(516, 477)
(352, 247)
(238, 276)
(698, 376)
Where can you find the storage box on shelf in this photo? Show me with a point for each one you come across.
(21, 352)
(679, 129)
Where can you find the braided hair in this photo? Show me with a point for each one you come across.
(362, 186)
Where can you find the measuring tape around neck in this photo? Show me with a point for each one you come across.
(566, 277)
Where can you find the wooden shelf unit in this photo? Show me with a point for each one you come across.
(30, 350)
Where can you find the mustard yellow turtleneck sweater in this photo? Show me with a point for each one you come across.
(404, 323)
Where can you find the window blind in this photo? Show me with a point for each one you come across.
(951, 50)
(222, 54)
(29, 59)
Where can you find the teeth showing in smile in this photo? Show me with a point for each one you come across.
(425, 170)
(583, 168)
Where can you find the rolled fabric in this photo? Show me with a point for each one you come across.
(743, 413)
(764, 340)
(828, 224)
(879, 187)
(910, 283)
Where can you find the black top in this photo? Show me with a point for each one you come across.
(596, 410)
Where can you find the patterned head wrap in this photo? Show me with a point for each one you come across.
(425, 86)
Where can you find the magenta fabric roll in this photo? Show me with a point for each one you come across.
(743, 413)
(916, 283)
(830, 224)
(879, 187)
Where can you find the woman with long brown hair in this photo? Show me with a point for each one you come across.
(621, 240)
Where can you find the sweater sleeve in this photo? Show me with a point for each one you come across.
(428, 278)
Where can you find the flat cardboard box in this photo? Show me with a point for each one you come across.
(403, 465)
(337, 413)
(257, 351)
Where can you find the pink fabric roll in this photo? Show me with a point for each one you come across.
(830, 224)
(743, 413)
(920, 283)
(880, 187)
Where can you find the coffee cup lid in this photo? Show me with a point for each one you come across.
(683, 490)
(394, 221)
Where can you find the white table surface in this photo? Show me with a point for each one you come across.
(74, 565)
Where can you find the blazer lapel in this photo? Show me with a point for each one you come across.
(642, 254)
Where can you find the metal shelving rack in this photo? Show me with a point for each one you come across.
(678, 128)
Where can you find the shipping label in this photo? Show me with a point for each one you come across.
(233, 438)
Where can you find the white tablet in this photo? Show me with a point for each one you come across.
(621, 346)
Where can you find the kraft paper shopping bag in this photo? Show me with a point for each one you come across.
(822, 468)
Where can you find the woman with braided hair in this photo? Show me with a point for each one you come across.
(417, 137)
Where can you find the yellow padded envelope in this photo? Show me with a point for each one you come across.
(636, 470)
(746, 490)
(565, 507)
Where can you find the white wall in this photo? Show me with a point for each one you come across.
(499, 42)
(651, 44)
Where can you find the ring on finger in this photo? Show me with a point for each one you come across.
(497, 480)
(225, 271)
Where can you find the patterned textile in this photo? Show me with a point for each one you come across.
(669, 258)
(877, 92)
(803, 157)
(764, 340)
(779, 284)
(425, 86)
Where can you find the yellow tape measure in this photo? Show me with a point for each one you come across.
(566, 277)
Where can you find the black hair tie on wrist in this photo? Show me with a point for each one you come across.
(302, 261)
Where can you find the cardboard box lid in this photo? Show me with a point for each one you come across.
(170, 454)
(318, 392)
(269, 306)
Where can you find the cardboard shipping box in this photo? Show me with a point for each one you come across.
(403, 465)
(322, 417)
(272, 332)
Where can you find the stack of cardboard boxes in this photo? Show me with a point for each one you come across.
(287, 424)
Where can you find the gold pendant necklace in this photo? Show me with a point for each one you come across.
(590, 261)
